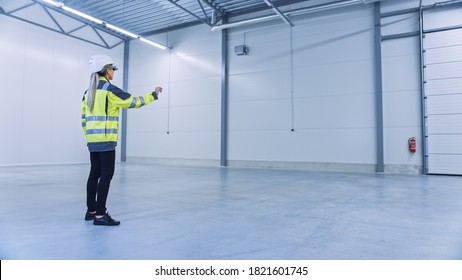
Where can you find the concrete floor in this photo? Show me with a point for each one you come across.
(229, 213)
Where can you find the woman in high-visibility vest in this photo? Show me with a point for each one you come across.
(100, 123)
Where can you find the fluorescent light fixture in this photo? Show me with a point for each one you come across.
(100, 22)
(123, 31)
(54, 3)
(268, 3)
(239, 23)
(80, 14)
(153, 43)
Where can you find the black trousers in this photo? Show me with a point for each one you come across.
(99, 180)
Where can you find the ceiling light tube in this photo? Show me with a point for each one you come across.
(123, 31)
(54, 3)
(152, 43)
(239, 23)
(107, 25)
(80, 14)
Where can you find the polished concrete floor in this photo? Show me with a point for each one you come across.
(171, 212)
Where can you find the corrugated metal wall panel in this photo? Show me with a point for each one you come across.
(446, 86)
(444, 104)
(444, 124)
(445, 164)
(445, 144)
(444, 70)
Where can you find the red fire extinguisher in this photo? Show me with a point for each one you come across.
(412, 144)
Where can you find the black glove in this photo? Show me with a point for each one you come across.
(155, 95)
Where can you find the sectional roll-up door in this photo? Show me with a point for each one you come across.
(443, 97)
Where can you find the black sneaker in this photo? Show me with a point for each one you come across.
(105, 220)
(89, 216)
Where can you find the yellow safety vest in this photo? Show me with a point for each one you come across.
(101, 126)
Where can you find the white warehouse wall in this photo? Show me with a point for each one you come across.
(43, 77)
(322, 87)
(401, 89)
(184, 124)
(302, 98)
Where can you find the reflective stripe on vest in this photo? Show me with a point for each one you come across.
(102, 118)
(102, 131)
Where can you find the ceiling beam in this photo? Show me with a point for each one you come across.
(59, 31)
(281, 15)
(87, 22)
(189, 12)
(204, 12)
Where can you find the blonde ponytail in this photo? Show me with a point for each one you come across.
(91, 92)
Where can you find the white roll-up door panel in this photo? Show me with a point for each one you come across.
(445, 144)
(444, 104)
(444, 124)
(443, 98)
(444, 70)
(445, 164)
(443, 87)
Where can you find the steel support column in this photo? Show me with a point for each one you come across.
(123, 135)
(224, 97)
(379, 89)
(422, 92)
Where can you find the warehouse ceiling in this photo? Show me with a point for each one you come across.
(157, 16)
(149, 17)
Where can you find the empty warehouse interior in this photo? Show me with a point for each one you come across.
(286, 129)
